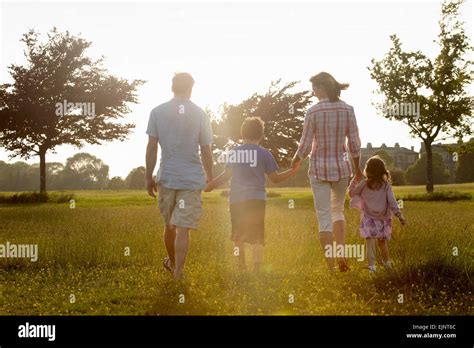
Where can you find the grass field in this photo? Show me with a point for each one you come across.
(83, 267)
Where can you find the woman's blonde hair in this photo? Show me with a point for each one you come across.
(329, 84)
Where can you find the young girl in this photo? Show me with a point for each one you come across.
(375, 198)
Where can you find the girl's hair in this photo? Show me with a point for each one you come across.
(376, 172)
(329, 84)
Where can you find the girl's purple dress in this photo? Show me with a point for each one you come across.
(376, 208)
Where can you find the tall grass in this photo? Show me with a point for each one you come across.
(82, 252)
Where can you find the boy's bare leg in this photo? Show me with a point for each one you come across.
(169, 237)
(326, 238)
(241, 255)
(257, 254)
(371, 251)
(181, 247)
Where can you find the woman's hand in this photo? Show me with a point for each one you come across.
(402, 219)
(296, 167)
(295, 161)
(358, 175)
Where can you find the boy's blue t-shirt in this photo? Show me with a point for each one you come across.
(249, 165)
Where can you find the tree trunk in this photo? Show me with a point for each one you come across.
(429, 167)
(42, 156)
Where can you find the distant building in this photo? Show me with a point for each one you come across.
(402, 157)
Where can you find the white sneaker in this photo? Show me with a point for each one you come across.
(372, 269)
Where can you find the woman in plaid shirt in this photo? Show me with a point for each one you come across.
(331, 136)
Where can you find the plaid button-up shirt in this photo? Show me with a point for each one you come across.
(327, 125)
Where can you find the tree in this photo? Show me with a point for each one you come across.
(45, 105)
(282, 111)
(116, 183)
(415, 174)
(85, 171)
(385, 157)
(136, 178)
(16, 176)
(410, 81)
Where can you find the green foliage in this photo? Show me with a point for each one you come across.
(36, 197)
(283, 112)
(397, 176)
(438, 196)
(440, 86)
(465, 168)
(116, 183)
(59, 70)
(416, 173)
(385, 157)
(85, 171)
(135, 180)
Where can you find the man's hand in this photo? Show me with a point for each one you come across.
(151, 187)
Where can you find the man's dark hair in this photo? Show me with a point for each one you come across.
(182, 82)
(252, 128)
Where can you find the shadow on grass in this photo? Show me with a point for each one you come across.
(436, 274)
(36, 197)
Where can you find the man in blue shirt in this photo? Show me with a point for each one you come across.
(182, 129)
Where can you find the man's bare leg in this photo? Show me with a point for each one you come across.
(257, 254)
(181, 247)
(169, 237)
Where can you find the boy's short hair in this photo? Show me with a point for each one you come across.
(182, 82)
(252, 128)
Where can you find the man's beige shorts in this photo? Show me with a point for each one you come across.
(182, 208)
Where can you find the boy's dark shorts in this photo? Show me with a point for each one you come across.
(248, 221)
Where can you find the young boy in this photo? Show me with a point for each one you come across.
(248, 164)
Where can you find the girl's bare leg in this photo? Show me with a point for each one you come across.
(383, 245)
(371, 252)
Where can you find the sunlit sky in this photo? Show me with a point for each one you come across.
(232, 50)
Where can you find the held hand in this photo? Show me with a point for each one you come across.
(296, 167)
(358, 175)
(209, 187)
(151, 187)
(296, 161)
